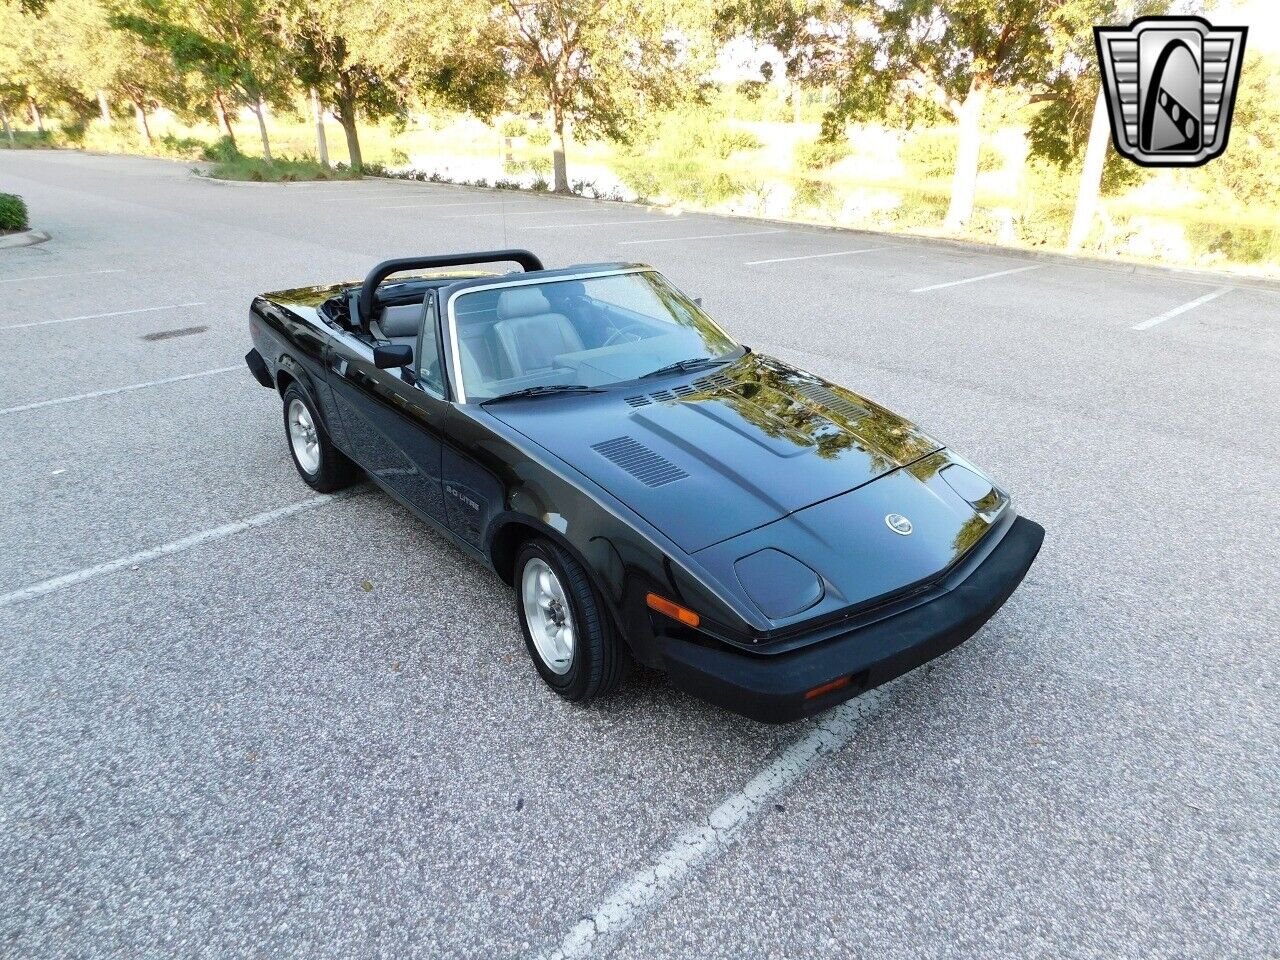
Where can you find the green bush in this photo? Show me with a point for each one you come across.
(931, 155)
(1237, 243)
(539, 137)
(820, 154)
(514, 127)
(723, 142)
(13, 213)
(28, 140)
(282, 170)
(223, 151)
(183, 148)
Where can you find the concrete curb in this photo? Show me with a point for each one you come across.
(24, 239)
(204, 177)
(1110, 264)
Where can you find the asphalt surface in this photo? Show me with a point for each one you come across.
(320, 735)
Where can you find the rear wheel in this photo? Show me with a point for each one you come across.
(322, 465)
(566, 629)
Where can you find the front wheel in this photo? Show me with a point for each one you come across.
(566, 629)
(322, 465)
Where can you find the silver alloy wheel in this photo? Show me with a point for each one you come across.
(303, 437)
(547, 613)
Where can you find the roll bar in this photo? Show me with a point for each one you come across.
(369, 289)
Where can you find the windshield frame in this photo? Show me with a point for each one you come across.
(456, 379)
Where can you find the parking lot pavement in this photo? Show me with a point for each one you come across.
(241, 721)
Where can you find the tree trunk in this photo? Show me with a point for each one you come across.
(559, 140)
(259, 110)
(796, 103)
(221, 107)
(347, 117)
(35, 115)
(322, 145)
(4, 118)
(965, 182)
(1095, 156)
(103, 109)
(144, 128)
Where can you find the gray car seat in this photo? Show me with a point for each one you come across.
(401, 324)
(530, 334)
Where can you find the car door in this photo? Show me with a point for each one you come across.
(393, 418)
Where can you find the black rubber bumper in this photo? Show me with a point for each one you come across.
(258, 367)
(772, 688)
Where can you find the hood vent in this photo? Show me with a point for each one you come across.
(675, 393)
(831, 400)
(651, 469)
(714, 381)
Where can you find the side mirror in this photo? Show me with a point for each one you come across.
(388, 356)
(698, 301)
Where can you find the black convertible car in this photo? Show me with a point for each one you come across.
(648, 486)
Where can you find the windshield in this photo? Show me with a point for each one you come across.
(588, 332)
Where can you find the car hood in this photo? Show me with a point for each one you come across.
(709, 458)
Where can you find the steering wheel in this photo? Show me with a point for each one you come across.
(623, 334)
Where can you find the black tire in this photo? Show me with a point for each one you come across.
(333, 470)
(600, 659)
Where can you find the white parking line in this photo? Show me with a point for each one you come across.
(459, 203)
(604, 223)
(58, 276)
(540, 212)
(811, 256)
(167, 549)
(985, 276)
(93, 395)
(704, 236)
(100, 316)
(1177, 311)
(357, 196)
(701, 842)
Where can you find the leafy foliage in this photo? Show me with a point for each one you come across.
(13, 212)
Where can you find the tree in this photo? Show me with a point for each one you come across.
(439, 52)
(598, 65)
(926, 57)
(232, 45)
(40, 61)
(1074, 119)
(314, 36)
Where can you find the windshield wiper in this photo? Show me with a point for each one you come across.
(693, 363)
(545, 390)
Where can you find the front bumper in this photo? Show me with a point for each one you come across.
(772, 688)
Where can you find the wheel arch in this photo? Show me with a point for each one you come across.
(510, 532)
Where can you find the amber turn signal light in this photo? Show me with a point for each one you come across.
(672, 610)
(835, 684)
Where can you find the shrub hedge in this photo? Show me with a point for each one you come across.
(13, 213)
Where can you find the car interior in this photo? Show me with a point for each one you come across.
(558, 332)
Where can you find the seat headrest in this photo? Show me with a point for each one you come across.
(522, 302)
(404, 321)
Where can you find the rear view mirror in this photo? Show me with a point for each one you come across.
(387, 356)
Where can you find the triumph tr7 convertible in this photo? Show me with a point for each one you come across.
(651, 489)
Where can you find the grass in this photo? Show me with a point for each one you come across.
(282, 170)
(27, 140)
(13, 213)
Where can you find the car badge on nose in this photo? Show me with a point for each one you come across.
(898, 524)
